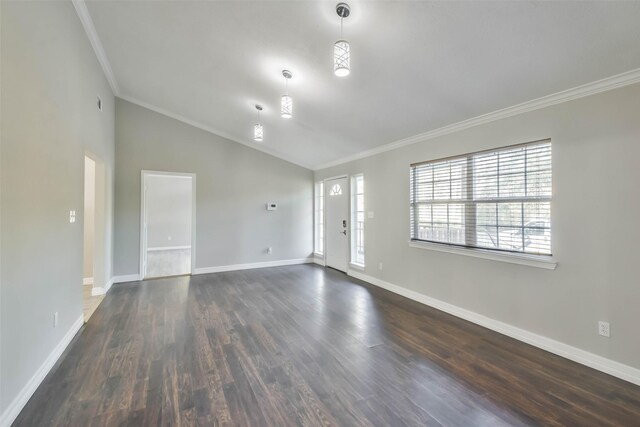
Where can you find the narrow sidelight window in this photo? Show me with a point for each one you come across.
(357, 220)
(319, 218)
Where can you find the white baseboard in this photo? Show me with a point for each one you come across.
(13, 410)
(611, 367)
(97, 290)
(167, 248)
(87, 281)
(108, 285)
(233, 267)
(123, 279)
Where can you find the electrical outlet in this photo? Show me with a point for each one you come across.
(604, 328)
(269, 249)
(55, 319)
(169, 238)
(380, 266)
(72, 217)
(370, 215)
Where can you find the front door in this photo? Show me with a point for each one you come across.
(336, 223)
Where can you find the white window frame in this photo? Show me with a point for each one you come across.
(318, 221)
(533, 260)
(357, 232)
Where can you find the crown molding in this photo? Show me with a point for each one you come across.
(92, 35)
(90, 29)
(606, 84)
(603, 85)
(201, 126)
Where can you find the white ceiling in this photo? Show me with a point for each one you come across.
(416, 66)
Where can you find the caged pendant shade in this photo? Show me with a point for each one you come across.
(286, 104)
(341, 58)
(341, 48)
(286, 108)
(258, 131)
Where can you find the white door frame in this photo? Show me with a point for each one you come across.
(324, 219)
(143, 215)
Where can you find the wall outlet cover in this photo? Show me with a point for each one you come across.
(604, 328)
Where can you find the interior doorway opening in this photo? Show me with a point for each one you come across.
(94, 257)
(168, 224)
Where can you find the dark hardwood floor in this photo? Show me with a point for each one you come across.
(304, 345)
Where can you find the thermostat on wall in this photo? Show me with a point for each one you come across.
(272, 206)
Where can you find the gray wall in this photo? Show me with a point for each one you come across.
(233, 185)
(168, 211)
(50, 80)
(595, 211)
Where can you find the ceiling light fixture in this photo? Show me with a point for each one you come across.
(286, 107)
(341, 48)
(258, 132)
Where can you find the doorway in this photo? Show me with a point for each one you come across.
(94, 254)
(336, 223)
(168, 224)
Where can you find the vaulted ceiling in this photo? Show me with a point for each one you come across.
(416, 66)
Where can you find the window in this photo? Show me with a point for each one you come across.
(319, 218)
(498, 199)
(357, 220)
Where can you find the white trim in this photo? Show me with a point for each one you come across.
(97, 291)
(234, 267)
(334, 177)
(143, 213)
(608, 366)
(251, 144)
(94, 39)
(87, 281)
(319, 259)
(357, 267)
(27, 391)
(92, 35)
(167, 248)
(539, 261)
(603, 85)
(108, 285)
(125, 278)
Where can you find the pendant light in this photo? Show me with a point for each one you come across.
(286, 107)
(258, 132)
(341, 48)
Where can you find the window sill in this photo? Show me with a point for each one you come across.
(538, 261)
(359, 267)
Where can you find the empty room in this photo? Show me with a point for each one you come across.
(319, 213)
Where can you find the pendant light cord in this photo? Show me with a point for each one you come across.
(341, 19)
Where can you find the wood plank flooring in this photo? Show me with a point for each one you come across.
(304, 345)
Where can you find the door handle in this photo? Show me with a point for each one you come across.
(344, 232)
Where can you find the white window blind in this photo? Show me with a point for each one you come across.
(319, 218)
(498, 199)
(357, 220)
